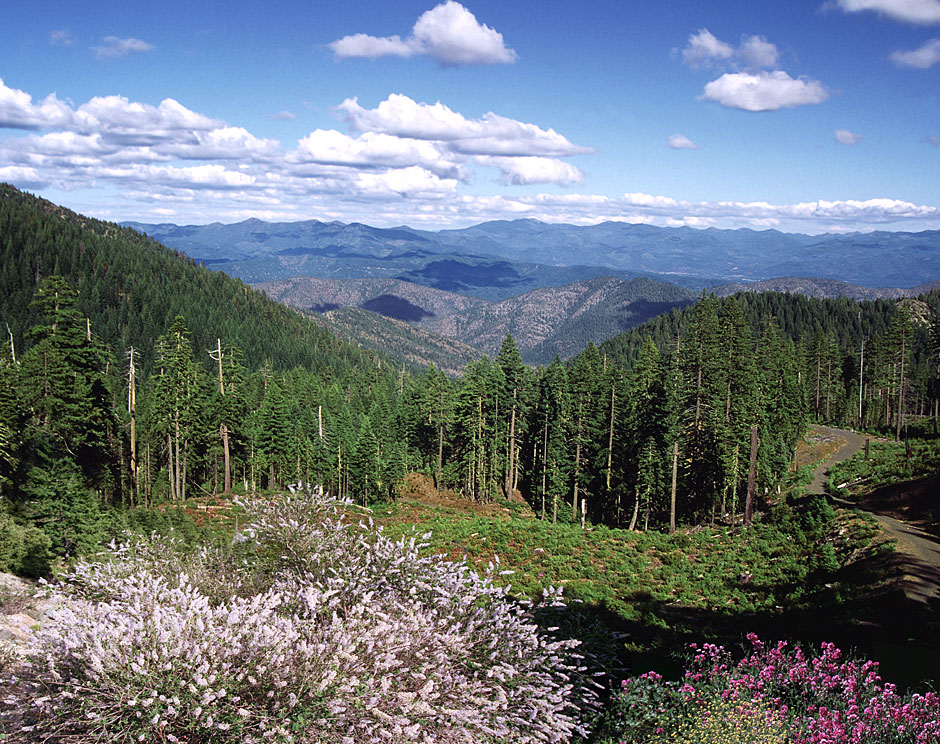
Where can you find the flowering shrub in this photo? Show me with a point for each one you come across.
(775, 694)
(312, 629)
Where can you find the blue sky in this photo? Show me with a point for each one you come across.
(813, 117)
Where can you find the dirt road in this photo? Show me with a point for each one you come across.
(920, 550)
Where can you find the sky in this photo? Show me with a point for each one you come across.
(807, 116)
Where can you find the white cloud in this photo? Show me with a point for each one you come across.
(27, 178)
(847, 137)
(448, 33)
(452, 35)
(411, 182)
(283, 116)
(17, 110)
(921, 58)
(756, 52)
(61, 37)
(681, 142)
(373, 150)
(405, 163)
(522, 171)
(134, 123)
(704, 49)
(491, 134)
(223, 143)
(764, 91)
(933, 140)
(911, 11)
(372, 47)
(113, 47)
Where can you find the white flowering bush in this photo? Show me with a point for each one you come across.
(313, 629)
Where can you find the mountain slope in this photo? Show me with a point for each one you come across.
(403, 341)
(544, 322)
(131, 288)
(823, 288)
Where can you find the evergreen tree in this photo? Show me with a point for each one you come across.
(63, 388)
(514, 402)
(176, 397)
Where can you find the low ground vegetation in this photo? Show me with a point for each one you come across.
(774, 694)
(800, 554)
(313, 627)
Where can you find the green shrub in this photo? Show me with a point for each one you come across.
(24, 549)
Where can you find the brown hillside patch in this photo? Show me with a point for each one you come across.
(420, 489)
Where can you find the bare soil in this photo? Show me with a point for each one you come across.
(898, 509)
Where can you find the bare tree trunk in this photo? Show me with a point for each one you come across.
(511, 465)
(544, 464)
(675, 472)
(751, 478)
(227, 459)
(610, 437)
(900, 412)
(577, 473)
(636, 510)
(132, 409)
(554, 496)
(171, 473)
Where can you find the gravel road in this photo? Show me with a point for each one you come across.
(921, 580)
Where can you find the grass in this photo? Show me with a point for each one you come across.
(793, 558)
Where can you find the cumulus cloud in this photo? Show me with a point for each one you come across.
(113, 47)
(375, 150)
(448, 33)
(756, 52)
(223, 143)
(921, 58)
(681, 142)
(403, 162)
(523, 171)
(133, 123)
(754, 83)
(413, 181)
(17, 110)
(283, 116)
(923, 12)
(146, 153)
(704, 50)
(372, 47)
(847, 137)
(27, 178)
(764, 91)
(491, 134)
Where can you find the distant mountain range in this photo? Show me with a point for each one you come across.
(499, 259)
(544, 322)
(451, 295)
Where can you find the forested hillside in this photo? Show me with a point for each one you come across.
(888, 348)
(231, 392)
(131, 288)
(131, 376)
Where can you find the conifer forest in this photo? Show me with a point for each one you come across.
(132, 377)
(252, 477)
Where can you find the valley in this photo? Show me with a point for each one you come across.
(661, 475)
